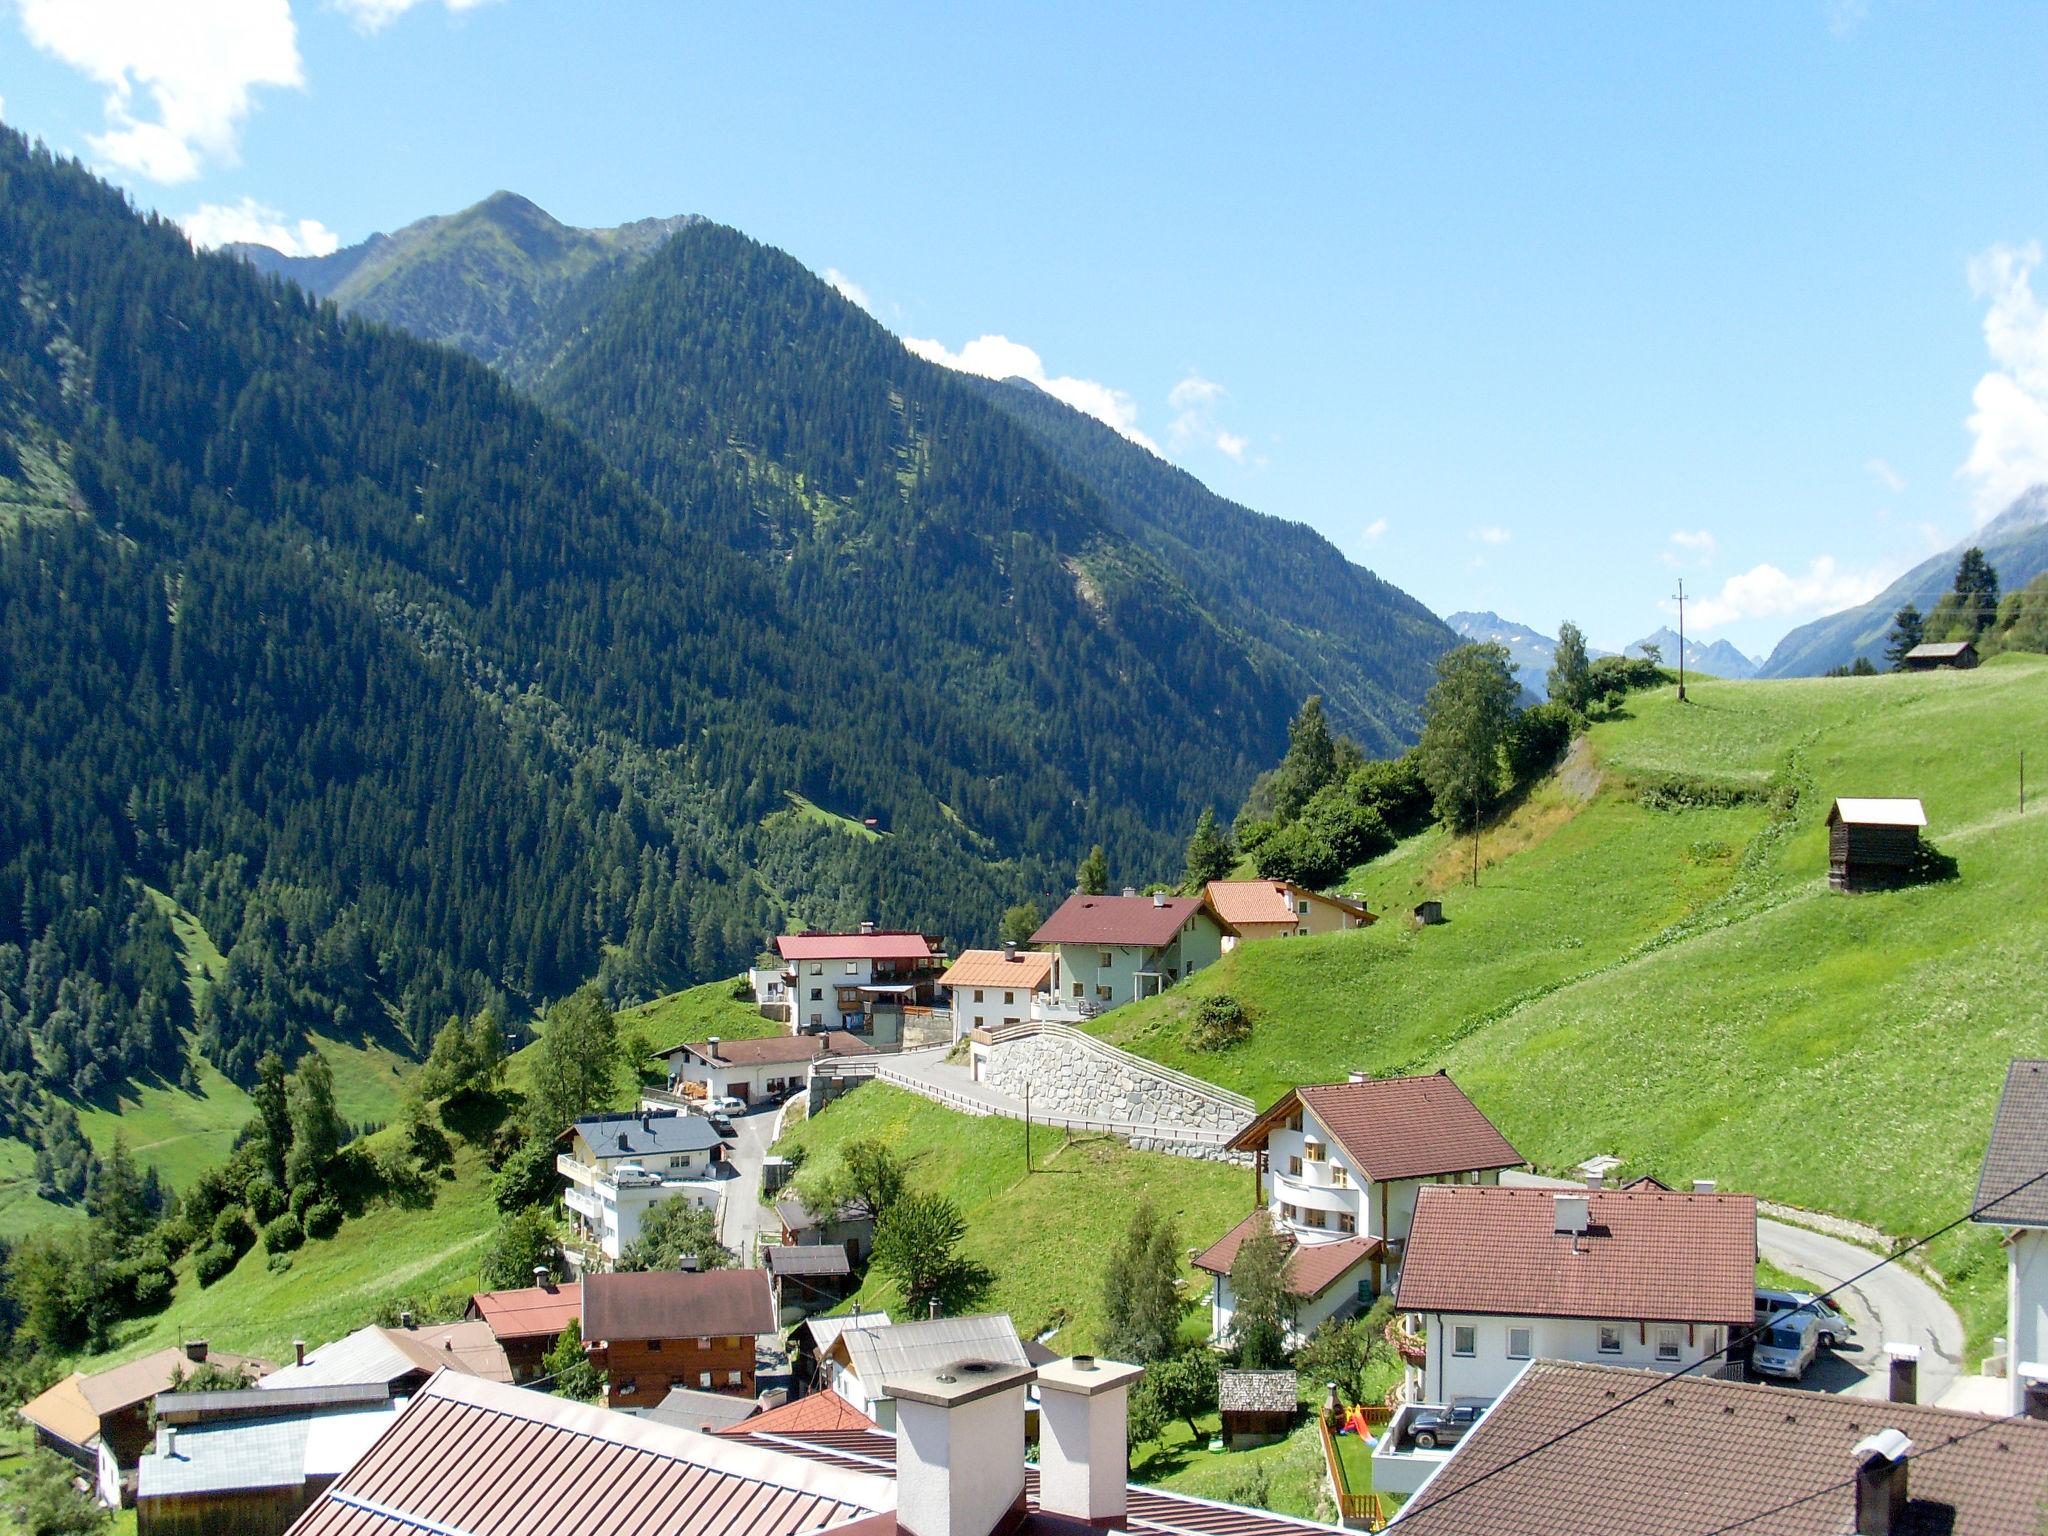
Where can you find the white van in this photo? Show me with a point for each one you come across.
(1836, 1331)
(1785, 1346)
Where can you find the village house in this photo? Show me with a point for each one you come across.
(847, 1227)
(2012, 1194)
(1111, 950)
(1280, 909)
(861, 982)
(863, 1364)
(397, 1361)
(619, 1167)
(654, 1330)
(707, 1412)
(1652, 1452)
(479, 1459)
(807, 1278)
(248, 1463)
(768, 1068)
(819, 1413)
(100, 1422)
(528, 1321)
(1643, 1277)
(988, 988)
(1337, 1167)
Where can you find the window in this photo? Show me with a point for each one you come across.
(732, 1378)
(1009, 999)
(1519, 1340)
(1301, 908)
(1340, 1175)
(853, 967)
(1077, 989)
(1103, 993)
(1346, 1222)
(1106, 961)
(817, 967)
(1287, 1212)
(1464, 1340)
(1318, 1220)
(653, 1346)
(703, 1343)
(1294, 1166)
(1294, 1121)
(817, 994)
(1610, 1338)
(1670, 1343)
(816, 1018)
(704, 1380)
(1314, 1151)
(977, 994)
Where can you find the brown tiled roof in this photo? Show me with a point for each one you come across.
(1696, 1456)
(1131, 920)
(1239, 902)
(856, 946)
(1312, 1268)
(72, 1409)
(1395, 1127)
(1030, 970)
(532, 1312)
(819, 1411)
(2018, 1151)
(675, 1304)
(486, 1459)
(1648, 1254)
(766, 1050)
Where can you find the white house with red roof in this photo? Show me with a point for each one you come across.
(844, 980)
(988, 988)
(1339, 1166)
(1111, 950)
(1280, 909)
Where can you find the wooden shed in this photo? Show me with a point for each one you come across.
(1943, 656)
(1258, 1407)
(1872, 843)
(1428, 913)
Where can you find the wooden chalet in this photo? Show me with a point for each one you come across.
(1873, 844)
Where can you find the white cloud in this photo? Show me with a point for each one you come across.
(1492, 535)
(998, 357)
(849, 289)
(1846, 16)
(197, 63)
(2009, 427)
(217, 224)
(375, 15)
(1886, 476)
(1691, 547)
(1370, 534)
(1764, 591)
(1232, 444)
(1194, 400)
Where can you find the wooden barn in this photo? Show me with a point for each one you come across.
(1258, 1407)
(1944, 656)
(1428, 913)
(1873, 844)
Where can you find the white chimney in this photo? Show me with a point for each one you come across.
(867, 929)
(960, 1447)
(1084, 1457)
(1703, 1186)
(1574, 1214)
(1881, 1461)
(1130, 890)
(1596, 1181)
(1361, 1077)
(166, 1440)
(1159, 898)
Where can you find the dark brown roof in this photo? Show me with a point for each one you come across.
(673, 1304)
(1312, 1268)
(1648, 1254)
(1699, 1456)
(486, 1459)
(809, 1259)
(1132, 920)
(2018, 1151)
(767, 1050)
(1395, 1127)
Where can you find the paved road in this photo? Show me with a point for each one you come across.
(742, 1213)
(1892, 1306)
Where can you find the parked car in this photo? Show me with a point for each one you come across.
(1786, 1346)
(634, 1173)
(1433, 1427)
(1836, 1331)
(728, 1106)
(721, 1123)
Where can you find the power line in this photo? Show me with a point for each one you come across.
(1658, 1382)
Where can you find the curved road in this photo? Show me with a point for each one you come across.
(1893, 1306)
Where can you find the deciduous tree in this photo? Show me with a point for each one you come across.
(1465, 723)
(1260, 1306)
(1571, 671)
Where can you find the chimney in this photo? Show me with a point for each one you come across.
(624, 1143)
(1574, 1215)
(711, 1048)
(1010, 950)
(960, 1448)
(1130, 890)
(1881, 1482)
(540, 1277)
(1159, 898)
(867, 930)
(1596, 1181)
(1361, 1077)
(298, 1351)
(195, 1351)
(405, 1320)
(1703, 1186)
(166, 1440)
(1905, 1385)
(1084, 1458)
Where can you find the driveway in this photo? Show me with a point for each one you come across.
(741, 1213)
(1892, 1306)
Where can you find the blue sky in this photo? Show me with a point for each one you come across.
(1528, 308)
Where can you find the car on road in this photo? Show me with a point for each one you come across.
(1434, 1427)
(728, 1106)
(1836, 1331)
(1785, 1346)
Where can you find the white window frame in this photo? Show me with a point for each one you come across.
(1604, 1333)
(1527, 1339)
(1468, 1335)
(1670, 1344)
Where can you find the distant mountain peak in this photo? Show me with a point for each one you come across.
(1716, 657)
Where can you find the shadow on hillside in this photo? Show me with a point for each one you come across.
(1931, 866)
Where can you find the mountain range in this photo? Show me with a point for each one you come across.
(2016, 544)
(1717, 658)
(576, 634)
(1531, 652)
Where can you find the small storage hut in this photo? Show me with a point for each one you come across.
(1428, 913)
(1873, 843)
(1258, 1407)
(1943, 656)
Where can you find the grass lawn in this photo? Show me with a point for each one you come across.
(1354, 1461)
(1678, 987)
(1046, 1233)
(1289, 1478)
(799, 806)
(696, 1013)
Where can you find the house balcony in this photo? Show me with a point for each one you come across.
(1398, 1464)
(1317, 1195)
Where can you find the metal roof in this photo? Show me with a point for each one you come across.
(877, 1355)
(531, 1312)
(385, 1355)
(856, 946)
(1864, 811)
(267, 1452)
(689, 1409)
(1025, 969)
(647, 1133)
(1138, 921)
(1940, 650)
(2018, 1151)
(810, 1259)
(825, 1331)
(253, 1402)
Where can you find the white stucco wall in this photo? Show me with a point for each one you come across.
(1487, 1371)
(2026, 1260)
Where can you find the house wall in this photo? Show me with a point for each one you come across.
(638, 1373)
(242, 1512)
(1382, 1210)
(1488, 1370)
(739, 1081)
(993, 1007)
(2026, 1273)
(1340, 1300)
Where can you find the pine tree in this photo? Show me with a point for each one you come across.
(316, 1129)
(1210, 854)
(1092, 878)
(1907, 630)
(1310, 763)
(1976, 591)
(1258, 1287)
(1571, 673)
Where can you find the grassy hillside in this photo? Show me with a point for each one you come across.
(1046, 1233)
(1678, 987)
(696, 1013)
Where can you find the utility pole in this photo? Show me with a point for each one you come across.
(1475, 839)
(1681, 639)
(1027, 1127)
(2023, 781)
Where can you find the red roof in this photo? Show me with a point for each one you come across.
(892, 945)
(1312, 1268)
(819, 1411)
(1271, 902)
(1395, 1127)
(1647, 1254)
(676, 1304)
(1143, 921)
(532, 1312)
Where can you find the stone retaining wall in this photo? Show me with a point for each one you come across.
(1075, 1075)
